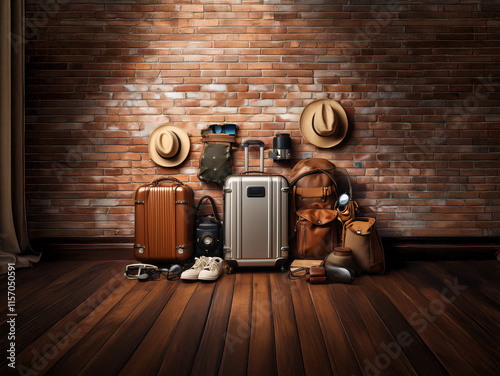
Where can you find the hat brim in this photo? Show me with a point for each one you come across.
(308, 133)
(185, 145)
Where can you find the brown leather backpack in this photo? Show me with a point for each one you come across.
(315, 232)
(312, 181)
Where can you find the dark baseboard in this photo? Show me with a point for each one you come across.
(89, 248)
(435, 249)
(397, 250)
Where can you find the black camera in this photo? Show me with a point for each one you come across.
(208, 239)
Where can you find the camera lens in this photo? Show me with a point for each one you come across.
(207, 240)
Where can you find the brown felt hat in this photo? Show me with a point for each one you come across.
(169, 145)
(323, 123)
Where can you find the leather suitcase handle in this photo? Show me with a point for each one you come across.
(168, 178)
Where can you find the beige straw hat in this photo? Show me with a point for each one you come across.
(169, 145)
(323, 123)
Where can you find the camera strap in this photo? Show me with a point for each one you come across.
(214, 208)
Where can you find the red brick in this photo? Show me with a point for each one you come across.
(422, 104)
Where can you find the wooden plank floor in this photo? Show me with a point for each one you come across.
(85, 318)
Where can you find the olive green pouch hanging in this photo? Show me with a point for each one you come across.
(215, 161)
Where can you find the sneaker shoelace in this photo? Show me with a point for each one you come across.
(199, 263)
(212, 264)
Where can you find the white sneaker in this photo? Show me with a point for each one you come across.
(193, 272)
(212, 270)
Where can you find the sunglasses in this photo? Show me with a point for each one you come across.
(144, 272)
(298, 273)
(229, 129)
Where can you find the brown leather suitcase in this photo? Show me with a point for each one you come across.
(164, 221)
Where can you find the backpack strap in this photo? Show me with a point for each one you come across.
(315, 171)
(313, 191)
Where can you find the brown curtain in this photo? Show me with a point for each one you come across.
(14, 240)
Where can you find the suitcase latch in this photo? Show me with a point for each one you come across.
(285, 189)
(181, 202)
(227, 190)
(180, 248)
(139, 202)
(141, 248)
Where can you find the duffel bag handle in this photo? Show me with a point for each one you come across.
(214, 208)
(167, 178)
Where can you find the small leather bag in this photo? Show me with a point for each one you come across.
(360, 234)
(317, 274)
(347, 212)
(315, 231)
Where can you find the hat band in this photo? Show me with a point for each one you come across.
(314, 128)
(178, 149)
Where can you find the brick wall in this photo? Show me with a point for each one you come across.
(420, 84)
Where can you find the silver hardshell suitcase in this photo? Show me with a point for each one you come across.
(255, 217)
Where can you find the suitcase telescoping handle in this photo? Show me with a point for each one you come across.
(254, 142)
(168, 178)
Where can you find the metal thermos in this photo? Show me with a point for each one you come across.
(282, 145)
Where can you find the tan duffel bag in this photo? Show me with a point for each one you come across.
(360, 234)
